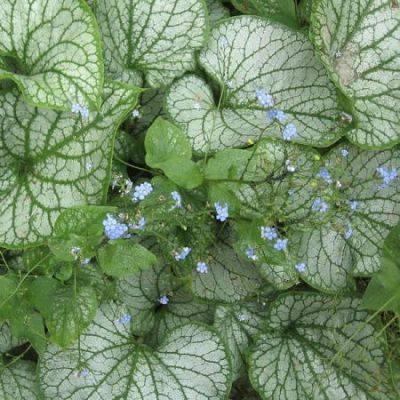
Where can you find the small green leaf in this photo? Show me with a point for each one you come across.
(191, 363)
(283, 11)
(383, 291)
(183, 172)
(216, 11)
(121, 258)
(364, 63)
(164, 141)
(316, 346)
(136, 32)
(245, 54)
(52, 51)
(71, 311)
(78, 227)
(50, 161)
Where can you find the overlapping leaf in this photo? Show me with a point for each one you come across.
(191, 363)
(332, 259)
(217, 11)
(152, 39)
(283, 11)
(238, 324)
(243, 55)
(52, 51)
(359, 43)
(330, 351)
(51, 160)
(17, 380)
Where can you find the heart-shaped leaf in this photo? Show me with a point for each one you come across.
(51, 160)
(191, 363)
(250, 57)
(136, 32)
(52, 51)
(358, 41)
(319, 347)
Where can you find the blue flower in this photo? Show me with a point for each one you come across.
(264, 98)
(281, 244)
(125, 319)
(141, 224)
(276, 114)
(202, 267)
(269, 233)
(177, 198)
(349, 232)
(251, 254)
(344, 152)
(163, 300)
(83, 373)
(320, 205)
(300, 267)
(79, 109)
(85, 261)
(353, 204)
(182, 254)
(325, 175)
(222, 211)
(113, 229)
(387, 175)
(289, 132)
(141, 191)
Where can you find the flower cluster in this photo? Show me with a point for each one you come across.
(222, 211)
(387, 175)
(202, 267)
(114, 229)
(320, 205)
(140, 192)
(325, 175)
(264, 98)
(181, 255)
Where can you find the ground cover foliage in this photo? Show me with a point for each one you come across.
(199, 199)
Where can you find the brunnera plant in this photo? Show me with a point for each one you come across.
(193, 195)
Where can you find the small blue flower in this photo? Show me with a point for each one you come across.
(344, 152)
(276, 114)
(136, 113)
(125, 319)
(264, 98)
(202, 267)
(250, 253)
(185, 251)
(113, 229)
(289, 132)
(222, 211)
(163, 300)
(268, 233)
(325, 175)
(387, 175)
(79, 109)
(140, 225)
(281, 244)
(320, 205)
(141, 191)
(353, 204)
(177, 198)
(85, 261)
(300, 267)
(349, 232)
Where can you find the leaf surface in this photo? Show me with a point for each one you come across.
(51, 160)
(243, 55)
(52, 51)
(316, 346)
(358, 41)
(190, 363)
